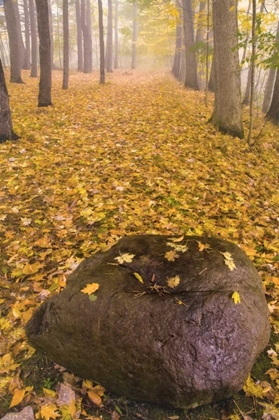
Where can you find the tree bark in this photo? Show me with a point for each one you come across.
(268, 90)
(109, 50)
(86, 44)
(26, 64)
(102, 43)
(191, 80)
(89, 33)
(15, 71)
(227, 114)
(79, 37)
(178, 46)
(65, 82)
(273, 112)
(34, 44)
(116, 39)
(19, 34)
(135, 34)
(6, 127)
(44, 98)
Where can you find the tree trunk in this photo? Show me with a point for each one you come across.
(116, 40)
(109, 51)
(34, 46)
(211, 77)
(13, 42)
(178, 46)
(44, 98)
(89, 34)
(201, 42)
(273, 112)
(135, 34)
(79, 37)
(191, 80)
(51, 33)
(19, 34)
(65, 82)
(268, 90)
(86, 44)
(246, 98)
(227, 114)
(26, 64)
(6, 127)
(102, 43)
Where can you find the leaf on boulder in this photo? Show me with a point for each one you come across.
(90, 288)
(236, 298)
(173, 282)
(171, 255)
(177, 247)
(229, 260)
(203, 246)
(138, 277)
(124, 258)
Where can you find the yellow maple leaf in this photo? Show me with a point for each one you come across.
(177, 247)
(138, 277)
(124, 258)
(252, 389)
(203, 246)
(90, 288)
(236, 298)
(173, 282)
(49, 411)
(229, 260)
(171, 255)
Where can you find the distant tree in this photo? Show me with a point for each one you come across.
(6, 127)
(191, 79)
(116, 38)
(102, 42)
(79, 37)
(21, 45)
(227, 113)
(273, 112)
(86, 37)
(26, 64)
(89, 29)
(44, 98)
(135, 34)
(34, 58)
(268, 90)
(178, 45)
(65, 82)
(15, 70)
(109, 49)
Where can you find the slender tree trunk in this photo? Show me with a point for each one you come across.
(6, 127)
(19, 34)
(250, 140)
(268, 90)
(51, 32)
(13, 42)
(135, 34)
(109, 51)
(86, 44)
(246, 98)
(201, 39)
(211, 77)
(191, 80)
(79, 37)
(44, 98)
(34, 44)
(102, 42)
(26, 64)
(89, 34)
(176, 67)
(65, 82)
(273, 112)
(227, 114)
(116, 39)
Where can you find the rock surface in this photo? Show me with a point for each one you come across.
(25, 414)
(162, 325)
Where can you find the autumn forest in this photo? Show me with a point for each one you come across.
(126, 118)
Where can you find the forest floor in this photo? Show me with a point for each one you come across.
(135, 155)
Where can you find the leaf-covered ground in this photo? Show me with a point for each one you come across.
(133, 156)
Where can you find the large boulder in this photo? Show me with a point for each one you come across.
(163, 321)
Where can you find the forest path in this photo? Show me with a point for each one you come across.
(133, 156)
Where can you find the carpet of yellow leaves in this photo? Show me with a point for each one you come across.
(133, 156)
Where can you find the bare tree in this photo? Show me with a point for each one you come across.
(44, 98)
(116, 39)
(34, 58)
(109, 49)
(191, 79)
(65, 82)
(102, 42)
(79, 37)
(135, 34)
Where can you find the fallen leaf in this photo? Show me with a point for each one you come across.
(90, 288)
(17, 397)
(173, 282)
(236, 298)
(138, 277)
(95, 398)
(124, 258)
(171, 255)
(229, 260)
